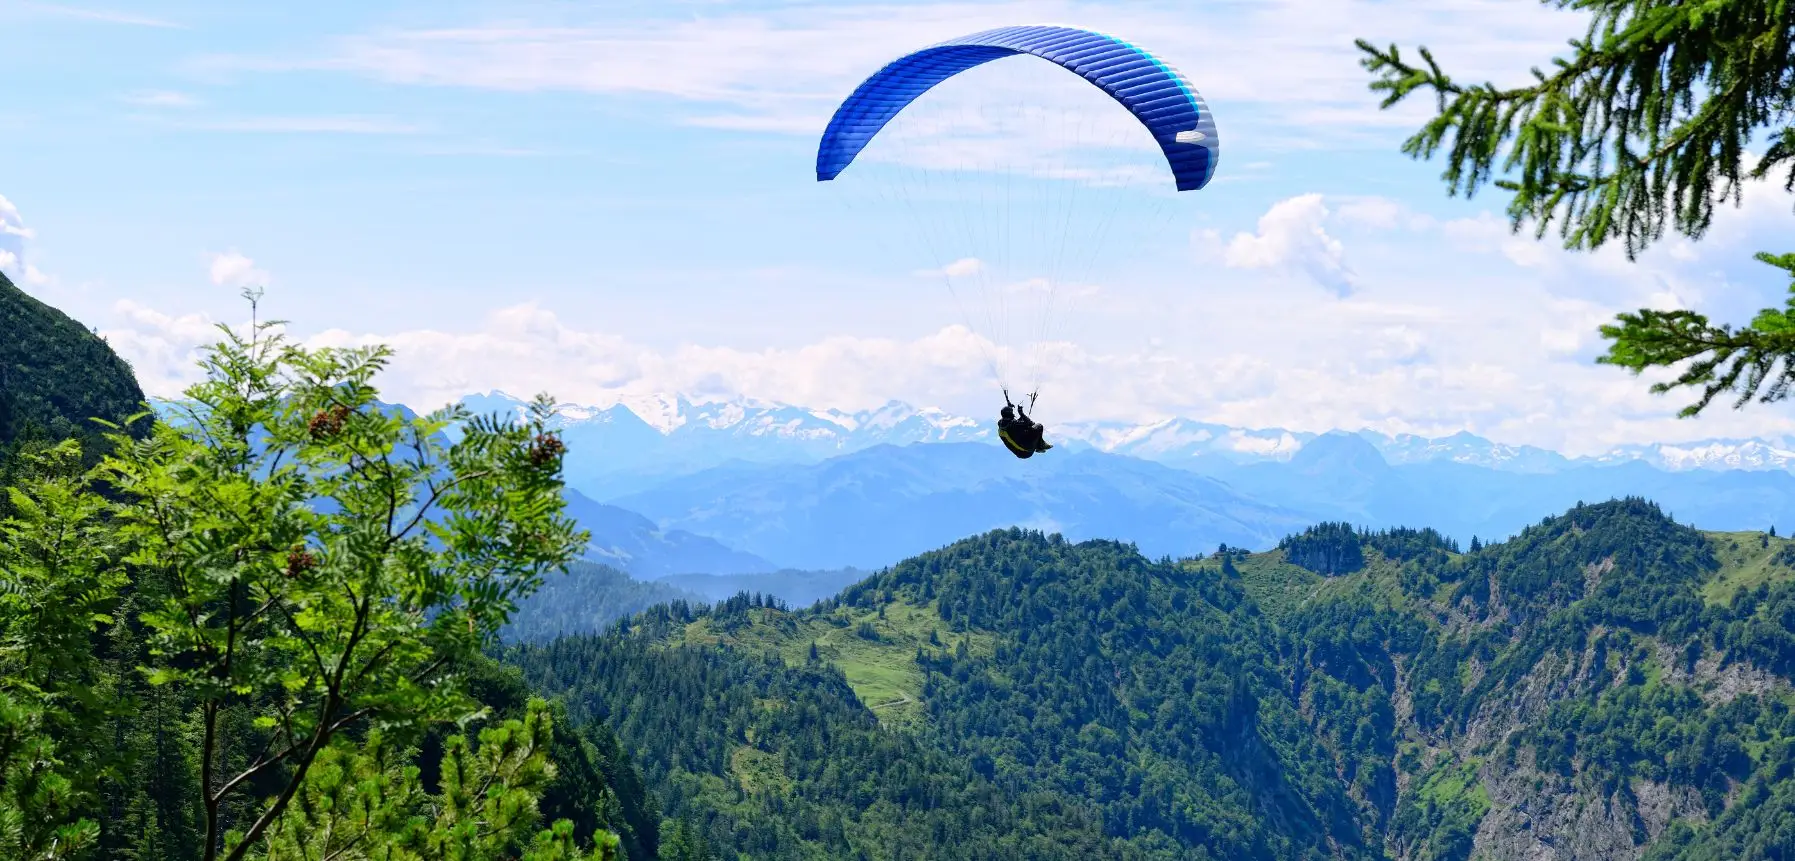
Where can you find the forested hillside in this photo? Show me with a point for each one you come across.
(55, 375)
(1102, 702)
(1609, 684)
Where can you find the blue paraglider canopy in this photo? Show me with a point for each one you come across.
(1153, 92)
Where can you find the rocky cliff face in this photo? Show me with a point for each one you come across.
(1542, 815)
(1581, 693)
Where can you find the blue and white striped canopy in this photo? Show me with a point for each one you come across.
(1156, 94)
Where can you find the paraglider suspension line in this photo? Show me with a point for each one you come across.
(1031, 399)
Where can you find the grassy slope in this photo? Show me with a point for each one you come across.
(882, 672)
(1281, 588)
(1747, 559)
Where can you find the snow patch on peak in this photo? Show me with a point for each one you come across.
(892, 414)
(662, 412)
(1280, 447)
(841, 420)
(1721, 454)
(725, 415)
(576, 412)
(943, 420)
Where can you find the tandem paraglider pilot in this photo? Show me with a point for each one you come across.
(1020, 434)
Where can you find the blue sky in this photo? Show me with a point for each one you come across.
(616, 199)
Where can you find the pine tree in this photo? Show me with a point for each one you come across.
(365, 801)
(1645, 125)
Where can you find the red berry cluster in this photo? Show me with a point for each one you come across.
(299, 561)
(546, 448)
(328, 423)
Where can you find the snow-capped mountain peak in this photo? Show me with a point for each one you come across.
(1744, 454)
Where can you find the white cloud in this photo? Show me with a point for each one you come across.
(1450, 328)
(161, 99)
(1280, 73)
(1381, 213)
(232, 269)
(11, 223)
(163, 349)
(13, 236)
(100, 16)
(962, 268)
(1291, 237)
(1486, 232)
(1497, 378)
(346, 125)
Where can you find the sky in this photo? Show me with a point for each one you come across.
(617, 199)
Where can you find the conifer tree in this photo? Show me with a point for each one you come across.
(1645, 125)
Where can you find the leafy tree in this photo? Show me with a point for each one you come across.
(1646, 124)
(58, 586)
(322, 564)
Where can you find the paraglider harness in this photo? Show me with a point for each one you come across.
(1021, 435)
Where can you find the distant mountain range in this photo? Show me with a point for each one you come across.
(873, 507)
(776, 486)
(646, 439)
(1341, 476)
(796, 588)
(630, 447)
(630, 542)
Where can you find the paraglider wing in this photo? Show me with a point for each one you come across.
(1153, 92)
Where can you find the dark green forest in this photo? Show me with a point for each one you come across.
(55, 375)
(199, 661)
(1193, 709)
